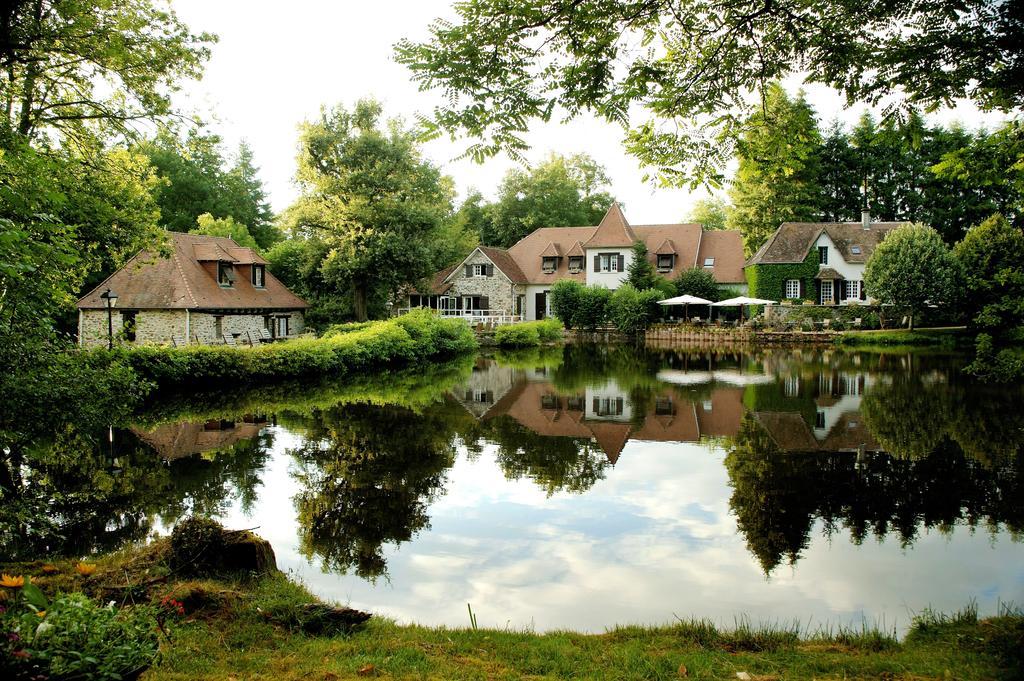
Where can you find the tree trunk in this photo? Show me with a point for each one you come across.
(31, 70)
(911, 318)
(359, 302)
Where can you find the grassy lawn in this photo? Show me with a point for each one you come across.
(256, 628)
(238, 641)
(946, 337)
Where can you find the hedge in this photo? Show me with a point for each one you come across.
(528, 333)
(409, 338)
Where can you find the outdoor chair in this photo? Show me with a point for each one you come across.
(230, 340)
(856, 323)
(178, 341)
(264, 336)
(826, 324)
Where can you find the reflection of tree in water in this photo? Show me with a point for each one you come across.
(76, 494)
(368, 475)
(555, 463)
(777, 495)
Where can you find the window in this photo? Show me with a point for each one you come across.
(479, 270)
(128, 324)
(225, 274)
(792, 288)
(520, 305)
(851, 290)
(549, 401)
(819, 420)
(575, 403)
(855, 250)
(608, 406)
(665, 262)
(823, 255)
(663, 406)
(549, 264)
(706, 405)
(575, 263)
(259, 276)
(791, 386)
(709, 262)
(608, 262)
(483, 396)
(282, 327)
(826, 292)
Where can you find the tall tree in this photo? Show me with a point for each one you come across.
(640, 272)
(74, 70)
(681, 72)
(777, 178)
(371, 197)
(713, 213)
(198, 179)
(560, 192)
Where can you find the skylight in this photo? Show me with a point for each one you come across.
(709, 262)
(855, 250)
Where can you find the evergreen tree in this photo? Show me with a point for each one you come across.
(778, 176)
(640, 272)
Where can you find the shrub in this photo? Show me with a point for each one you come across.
(632, 311)
(566, 296)
(416, 336)
(73, 637)
(593, 308)
(699, 282)
(528, 333)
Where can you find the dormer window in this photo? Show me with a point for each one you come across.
(855, 250)
(575, 263)
(665, 262)
(259, 276)
(225, 274)
(548, 265)
(709, 262)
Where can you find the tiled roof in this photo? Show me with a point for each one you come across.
(666, 248)
(552, 251)
(828, 273)
(612, 231)
(726, 247)
(506, 263)
(577, 250)
(792, 241)
(181, 281)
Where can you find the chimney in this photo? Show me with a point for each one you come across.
(865, 219)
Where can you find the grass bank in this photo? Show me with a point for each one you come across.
(262, 627)
(946, 338)
(345, 349)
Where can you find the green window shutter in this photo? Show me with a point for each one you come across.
(622, 262)
(597, 263)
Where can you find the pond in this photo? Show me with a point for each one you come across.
(581, 487)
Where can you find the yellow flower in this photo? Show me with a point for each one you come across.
(12, 582)
(85, 569)
(50, 568)
(41, 613)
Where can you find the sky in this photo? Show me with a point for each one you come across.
(276, 64)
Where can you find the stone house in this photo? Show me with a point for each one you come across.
(517, 280)
(818, 261)
(206, 288)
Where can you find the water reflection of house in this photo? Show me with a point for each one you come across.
(604, 413)
(177, 440)
(838, 425)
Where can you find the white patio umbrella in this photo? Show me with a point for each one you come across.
(740, 301)
(686, 300)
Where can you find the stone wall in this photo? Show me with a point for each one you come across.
(160, 326)
(498, 288)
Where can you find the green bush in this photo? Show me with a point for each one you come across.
(699, 282)
(528, 333)
(633, 311)
(73, 637)
(416, 336)
(592, 312)
(565, 300)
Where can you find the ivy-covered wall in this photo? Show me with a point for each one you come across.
(769, 280)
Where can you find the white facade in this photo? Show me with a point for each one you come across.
(852, 272)
(608, 402)
(608, 279)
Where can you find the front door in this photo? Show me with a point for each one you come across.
(541, 304)
(467, 304)
(281, 328)
(827, 297)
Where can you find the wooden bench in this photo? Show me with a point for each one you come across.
(230, 340)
